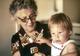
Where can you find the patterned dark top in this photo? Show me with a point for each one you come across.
(19, 42)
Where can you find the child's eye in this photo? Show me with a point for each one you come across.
(53, 33)
(60, 32)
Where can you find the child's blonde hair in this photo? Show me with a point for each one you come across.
(61, 18)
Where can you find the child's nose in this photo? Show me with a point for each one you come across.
(57, 37)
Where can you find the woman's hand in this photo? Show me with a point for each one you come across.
(39, 54)
(16, 54)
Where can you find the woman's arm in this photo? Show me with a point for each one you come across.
(17, 53)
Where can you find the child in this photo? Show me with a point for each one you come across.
(61, 28)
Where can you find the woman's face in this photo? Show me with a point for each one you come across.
(26, 18)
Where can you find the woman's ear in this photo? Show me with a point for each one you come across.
(12, 17)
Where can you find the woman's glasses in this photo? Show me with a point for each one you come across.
(26, 18)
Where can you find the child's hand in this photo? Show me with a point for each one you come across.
(41, 40)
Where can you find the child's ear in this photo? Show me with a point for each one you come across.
(70, 32)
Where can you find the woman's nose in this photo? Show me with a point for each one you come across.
(29, 21)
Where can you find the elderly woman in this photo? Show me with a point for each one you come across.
(25, 41)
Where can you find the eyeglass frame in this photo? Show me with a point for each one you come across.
(26, 18)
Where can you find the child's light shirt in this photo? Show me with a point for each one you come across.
(56, 48)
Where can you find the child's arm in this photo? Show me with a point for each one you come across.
(40, 39)
(43, 40)
(70, 50)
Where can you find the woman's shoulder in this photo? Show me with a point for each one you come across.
(44, 26)
(15, 37)
(41, 25)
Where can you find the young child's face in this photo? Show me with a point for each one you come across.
(59, 33)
